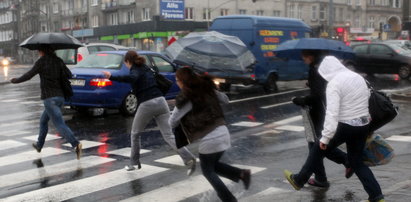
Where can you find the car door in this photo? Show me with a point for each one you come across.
(382, 58)
(167, 69)
(362, 57)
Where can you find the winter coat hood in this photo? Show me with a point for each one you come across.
(330, 67)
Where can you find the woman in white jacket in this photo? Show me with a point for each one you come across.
(346, 121)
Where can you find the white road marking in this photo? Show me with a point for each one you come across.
(13, 132)
(400, 138)
(126, 151)
(284, 121)
(247, 124)
(7, 144)
(291, 128)
(30, 102)
(184, 189)
(10, 100)
(52, 170)
(86, 144)
(3, 125)
(271, 191)
(48, 137)
(30, 155)
(174, 160)
(266, 132)
(275, 105)
(85, 186)
(264, 96)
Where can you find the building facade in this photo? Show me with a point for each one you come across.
(151, 24)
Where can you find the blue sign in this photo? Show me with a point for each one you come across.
(83, 33)
(172, 9)
(386, 27)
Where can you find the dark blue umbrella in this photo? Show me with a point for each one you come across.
(292, 48)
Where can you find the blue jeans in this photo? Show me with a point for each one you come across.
(52, 110)
(354, 137)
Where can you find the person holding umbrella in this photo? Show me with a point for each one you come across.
(316, 101)
(50, 68)
(347, 121)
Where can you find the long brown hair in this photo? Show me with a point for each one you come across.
(134, 58)
(196, 87)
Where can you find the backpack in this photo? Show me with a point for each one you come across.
(381, 109)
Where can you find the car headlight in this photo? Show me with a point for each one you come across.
(5, 62)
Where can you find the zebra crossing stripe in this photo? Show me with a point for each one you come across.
(85, 186)
(10, 100)
(183, 189)
(126, 151)
(266, 194)
(291, 128)
(400, 138)
(30, 156)
(247, 124)
(13, 132)
(48, 137)
(86, 144)
(17, 123)
(174, 160)
(7, 144)
(52, 170)
(284, 121)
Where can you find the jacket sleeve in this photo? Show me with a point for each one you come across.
(131, 78)
(31, 73)
(179, 113)
(331, 114)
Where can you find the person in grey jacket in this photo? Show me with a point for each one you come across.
(198, 110)
(152, 105)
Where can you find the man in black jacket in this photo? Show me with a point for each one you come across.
(316, 102)
(50, 68)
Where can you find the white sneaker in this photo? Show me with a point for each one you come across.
(129, 168)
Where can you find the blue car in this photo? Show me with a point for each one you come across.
(92, 90)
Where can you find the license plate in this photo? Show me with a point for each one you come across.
(77, 82)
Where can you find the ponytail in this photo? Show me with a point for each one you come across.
(134, 58)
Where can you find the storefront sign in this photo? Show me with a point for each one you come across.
(172, 9)
(83, 33)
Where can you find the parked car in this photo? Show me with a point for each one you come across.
(92, 90)
(383, 58)
(68, 55)
(403, 43)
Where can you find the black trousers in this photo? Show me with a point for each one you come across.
(212, 168)
(354, 137)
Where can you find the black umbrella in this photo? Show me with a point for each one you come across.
(55, 40)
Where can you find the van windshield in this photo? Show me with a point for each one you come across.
(101, 61)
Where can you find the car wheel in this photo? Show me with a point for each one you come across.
(129, 105)
(271, 85)
(404, 72)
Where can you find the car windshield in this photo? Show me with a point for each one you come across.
(101, 61)
(400, 49)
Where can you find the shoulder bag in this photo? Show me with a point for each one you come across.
(163, 83)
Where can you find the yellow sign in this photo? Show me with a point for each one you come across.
(271, 33)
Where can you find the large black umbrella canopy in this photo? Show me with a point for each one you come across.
(55, 40)
(211, 51)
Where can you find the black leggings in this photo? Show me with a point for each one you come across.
(212, 168)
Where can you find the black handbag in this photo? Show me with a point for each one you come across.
(180, 136)
(381, 109)
(163, 83)
(65, 83)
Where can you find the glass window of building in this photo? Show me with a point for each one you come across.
(189, 13)
(224, 12)
(314, 13)
(146, 14)
(242, 12)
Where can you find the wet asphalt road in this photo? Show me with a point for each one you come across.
(267, 136)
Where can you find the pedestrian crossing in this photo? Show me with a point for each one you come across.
(108, 169)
